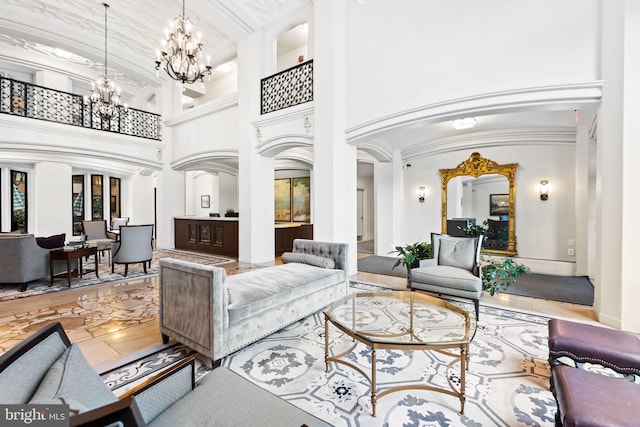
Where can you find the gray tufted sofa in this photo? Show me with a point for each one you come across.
(217, 315)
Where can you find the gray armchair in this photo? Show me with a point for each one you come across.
(454, 269)
(23, 260)
(47, 369)
(135, 246)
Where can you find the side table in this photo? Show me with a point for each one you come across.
(69, 255)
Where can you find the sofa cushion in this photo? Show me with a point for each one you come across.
(226, 394)
(311, 259)
(73, 382)
(262, 289)
(443, 276)
(51, 242)
(459, 252)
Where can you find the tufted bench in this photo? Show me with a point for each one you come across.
(215, 315)
(594, 371)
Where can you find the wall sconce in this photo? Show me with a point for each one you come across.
(544, 189)
(422, 192)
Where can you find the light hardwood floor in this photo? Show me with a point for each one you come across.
(112, 322)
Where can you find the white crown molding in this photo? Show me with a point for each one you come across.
(208, 108)
(89, 157)
(495, 138)
(578, 94)
(75, 132)
(285, 115)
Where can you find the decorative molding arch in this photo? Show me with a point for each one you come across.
(208, 160)
(302, 156)
(377, 148)
(496, 138)
(535, 98)
(273, 146)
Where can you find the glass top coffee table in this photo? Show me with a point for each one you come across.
(402, 320)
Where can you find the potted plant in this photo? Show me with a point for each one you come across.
(410, 255)
(499, 274)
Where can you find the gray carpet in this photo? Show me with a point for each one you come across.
(575, 290)
(366, 247)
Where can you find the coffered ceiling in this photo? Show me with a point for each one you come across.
(31, 30)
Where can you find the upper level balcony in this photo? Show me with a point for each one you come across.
(287, 88)
(28, 100)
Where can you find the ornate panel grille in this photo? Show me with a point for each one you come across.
(28, 100)
(287, 88)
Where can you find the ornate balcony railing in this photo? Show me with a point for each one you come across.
(287, 88)
(28, 100)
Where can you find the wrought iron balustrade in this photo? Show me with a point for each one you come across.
(28, 100)
(287, 88)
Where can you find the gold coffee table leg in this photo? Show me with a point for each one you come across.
(464, 351)
(326, 344)
(374, 396)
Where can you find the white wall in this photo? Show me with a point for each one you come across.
(542, 228)
(228, 191)
(452, 49)
(49, 197)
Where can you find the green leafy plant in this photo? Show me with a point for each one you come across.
(499, 274)
(410, 255)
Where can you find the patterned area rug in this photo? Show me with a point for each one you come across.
(507, 381)
(37, 287)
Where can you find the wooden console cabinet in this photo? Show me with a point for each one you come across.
(219, 236)
(215, 236)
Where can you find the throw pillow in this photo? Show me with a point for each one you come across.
(51, 242)
(309, 259)
(72, 381)
(457, 253)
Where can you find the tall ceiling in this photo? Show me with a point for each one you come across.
(31, 30)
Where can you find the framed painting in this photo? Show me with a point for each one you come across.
(282, 199)
(205, 201)
(498, 204)
(301, 199)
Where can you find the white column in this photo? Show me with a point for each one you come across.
(49, 198)
(255, 180)
(52, 80)
(335, 161)
(617, 197)
(389, 184)
(170, 184)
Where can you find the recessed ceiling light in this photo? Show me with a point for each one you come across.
(466, 123)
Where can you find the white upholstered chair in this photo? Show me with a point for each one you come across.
(135, 246)
(454, 269)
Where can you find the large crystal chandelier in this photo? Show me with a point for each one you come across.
(104, 93)
(181, 52)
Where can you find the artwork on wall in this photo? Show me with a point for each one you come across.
(301, 199)
(499, 204)
(282, 199)
(205, 201)
(292, 199)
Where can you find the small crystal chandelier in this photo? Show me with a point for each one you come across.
(104, 94)
(181, 53)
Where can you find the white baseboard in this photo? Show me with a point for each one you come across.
(543, 266)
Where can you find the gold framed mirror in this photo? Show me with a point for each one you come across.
(500, 233)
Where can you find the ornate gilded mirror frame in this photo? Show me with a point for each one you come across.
(477, 166)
